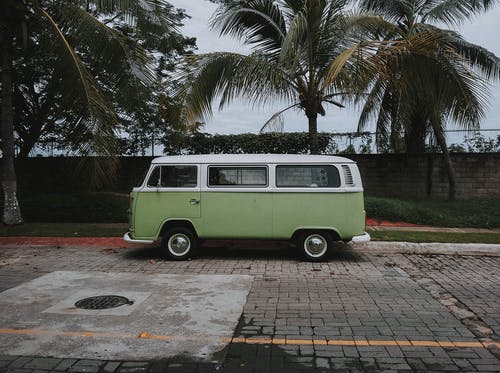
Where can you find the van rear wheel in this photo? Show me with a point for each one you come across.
(315, 246)
(179, 243)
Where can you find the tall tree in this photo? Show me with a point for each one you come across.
(12, 14)
(304, 52)
(41, 120)
(426, 89)
(75, 34)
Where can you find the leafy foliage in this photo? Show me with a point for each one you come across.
(277, 143)
(477, 144)
(115, 44)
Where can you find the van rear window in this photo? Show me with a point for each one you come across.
(326, 176)
(174, 177)
(237, 176)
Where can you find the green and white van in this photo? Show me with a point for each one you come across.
(312, 200)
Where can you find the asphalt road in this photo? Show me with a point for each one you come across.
(271, 312)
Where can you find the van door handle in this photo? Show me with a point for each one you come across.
(194, 201)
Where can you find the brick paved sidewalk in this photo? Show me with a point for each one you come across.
(357, 312)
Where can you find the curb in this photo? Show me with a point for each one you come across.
(60, 242)
(386, 247)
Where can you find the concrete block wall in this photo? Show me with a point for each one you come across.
(421, 176)
(397, 175)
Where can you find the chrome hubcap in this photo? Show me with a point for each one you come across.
(315, 245)
(179, 244)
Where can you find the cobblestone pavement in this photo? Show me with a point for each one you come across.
(357, 312)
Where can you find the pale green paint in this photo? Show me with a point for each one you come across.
(236, 215)
(342, 212)
(151, 209)
(249, 215)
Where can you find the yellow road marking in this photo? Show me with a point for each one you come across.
(425, 343)
(336, 342)
(320, 342)
(257, 340)
(299, 341)
(63, 333)
(146, 335)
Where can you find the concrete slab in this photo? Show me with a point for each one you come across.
(172, 315)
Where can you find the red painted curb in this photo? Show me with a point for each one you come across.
(376, 222)
(115, 242)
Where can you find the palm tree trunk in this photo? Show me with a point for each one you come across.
(11, 210)
(415, 138)
(452, 184)
(313, 132)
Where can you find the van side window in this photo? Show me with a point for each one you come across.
(174, 177)
(326, 176)
(238, 176)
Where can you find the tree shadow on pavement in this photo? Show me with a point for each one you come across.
(247, 249)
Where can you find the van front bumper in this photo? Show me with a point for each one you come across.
(360, 239)
(127, 238)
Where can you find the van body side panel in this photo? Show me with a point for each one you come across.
(342, 212)
(153, 208)
(236, 215)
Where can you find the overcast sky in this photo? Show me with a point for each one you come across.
(240, 118)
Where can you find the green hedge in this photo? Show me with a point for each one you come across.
(250, 143)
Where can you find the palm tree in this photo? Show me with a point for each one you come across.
(74, 34)
(303, 52)
(424, 90)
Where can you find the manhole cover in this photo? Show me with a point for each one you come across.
(102, 302)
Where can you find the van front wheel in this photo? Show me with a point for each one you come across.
(315, 246)
(179, 243)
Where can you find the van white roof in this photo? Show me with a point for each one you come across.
(251, 158)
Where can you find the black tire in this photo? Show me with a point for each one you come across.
(315, 246)
(179, 243)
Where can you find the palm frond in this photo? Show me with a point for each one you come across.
(292, 46)
(112, 48)
(372, 104)
(454, 12)
(480, 59)
(129, 8)
(229, 75)
(276, 123)
(392, 10)
(96, 127)
(259, 23)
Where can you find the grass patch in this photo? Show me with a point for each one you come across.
(474, 213)
(64, 230)
(410, 236)
(100, 207)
